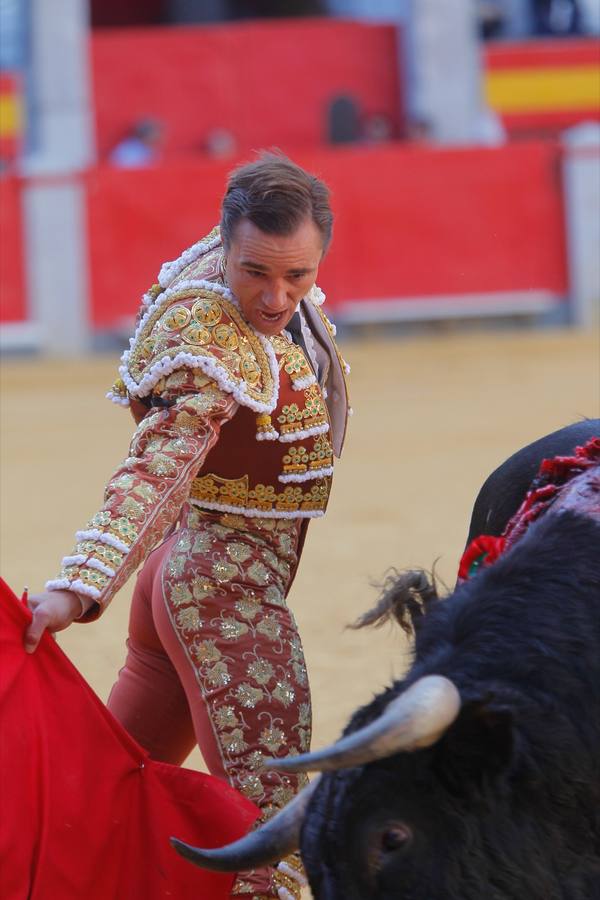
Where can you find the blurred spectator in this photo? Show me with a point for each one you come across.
(220, 143)
(270, 9)
(377, 129)
(141, 147)
(590, 16)
(343, 120)
(556, 17)
(375, 10)
(419, 131)
(491, 15)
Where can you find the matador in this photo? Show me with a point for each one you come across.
(239, 395)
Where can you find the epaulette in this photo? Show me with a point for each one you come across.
(197, 324)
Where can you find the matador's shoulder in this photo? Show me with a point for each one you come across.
(196, 324)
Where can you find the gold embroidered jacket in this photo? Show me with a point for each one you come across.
(236, 422)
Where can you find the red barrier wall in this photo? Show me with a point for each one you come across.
(13, 302)
(267, 83)
(410, 223)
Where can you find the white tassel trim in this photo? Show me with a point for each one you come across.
(102, 567)
(350, 411)
(171, 270)
(311, 475)
(267, 435)
(300, 435)
(94, 534)
(116, 398)
(284, 894)
(208, 365)
(63, 584)
(300, 383)
(291, 872)
(259, 513)
(77, 560)
(316, 296)
(347, 368)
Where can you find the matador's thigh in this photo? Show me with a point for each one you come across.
(209, 616)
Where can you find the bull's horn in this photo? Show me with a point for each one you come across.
(268, 844)
(416, 719)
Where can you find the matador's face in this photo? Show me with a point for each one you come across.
(270, 273)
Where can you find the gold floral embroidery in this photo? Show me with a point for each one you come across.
(189, 619)
(201, 587)
(146, 492)
(181, 594)
(92, 577)
(131, 508)
(207, 651)
(225, 336)
(162, 465)
(225, 717)
(231, 629)
(235, 492)
(260, 671)
(195, 334)
(124, 529)
(284, 692)
(248, 607)
(270, 627)
(249, 696)
(296, 460)
(273, 739)
(259, 573)
(214, 333)
(239, 553)
(177, 566)
(224, 571)
(249, 689)
(176, 319)
(188, 423)
(202, 543)
(207, 312)
(233, 741)
(294, 418)
(251, 786)
(218, 675)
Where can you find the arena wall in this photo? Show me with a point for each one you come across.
(419, 232)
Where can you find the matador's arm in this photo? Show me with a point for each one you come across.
(144, 497)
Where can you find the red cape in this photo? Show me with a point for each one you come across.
(85, 812)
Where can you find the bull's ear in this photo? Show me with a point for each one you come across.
(479, 746)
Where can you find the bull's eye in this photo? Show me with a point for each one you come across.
(394, 837)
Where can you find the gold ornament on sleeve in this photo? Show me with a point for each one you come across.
(196, 334)
(177, 318)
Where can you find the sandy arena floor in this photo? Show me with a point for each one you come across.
(433, 416)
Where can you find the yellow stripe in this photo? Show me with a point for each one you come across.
(11, 119)
(543, 89)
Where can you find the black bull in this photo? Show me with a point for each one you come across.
(478, 775)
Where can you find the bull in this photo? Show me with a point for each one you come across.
(478, 774)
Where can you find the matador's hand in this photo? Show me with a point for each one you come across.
(52, 610)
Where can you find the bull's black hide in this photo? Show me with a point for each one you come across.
(506, 806)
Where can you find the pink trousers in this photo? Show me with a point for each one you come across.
(214, 657)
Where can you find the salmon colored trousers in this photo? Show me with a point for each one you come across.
(214, 657)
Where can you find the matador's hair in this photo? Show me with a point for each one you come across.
(276, 195)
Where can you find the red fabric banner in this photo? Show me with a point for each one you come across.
(85, 811)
